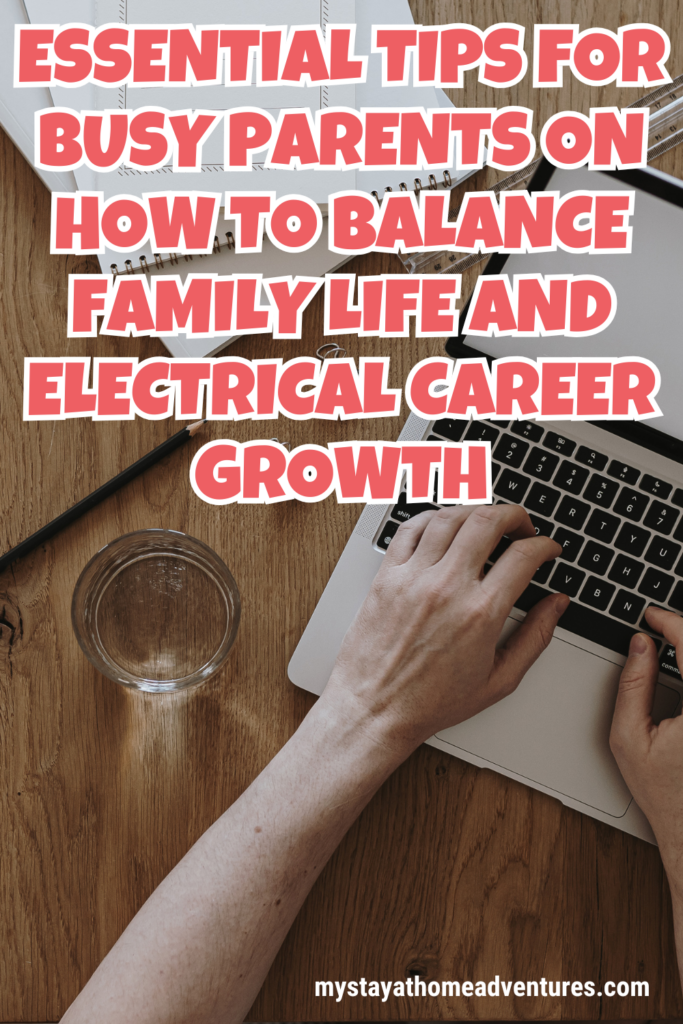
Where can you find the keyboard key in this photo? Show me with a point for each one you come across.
(404, 510)
(567, 579)
(511, 486)
(435, 492)
(531, 431)
(500, 549)
(632, 539)
(602, 525)
(572, 512)
(661, 517)
(569, 542)
(542, 499)
(596, 558)
(621, 471)
(668, 663)
(386, 533)
(480, 430)
(644, 624)
(495, 470)
(662, 553)
(597, 593)
(582, 621)
(530, 597)
(433, 437)
(677, 497)
(543, 527)
(510, 451)
(543, 571)
(596, 460)
(541, 464)
(678, 532)
(660, 488)
(627, 606)
(656, 584)
(558, 443)
(601, 491)
(626, 571)
(676, 599)
(570, 477)
(591, 625)
(451, 429)
(630, 504)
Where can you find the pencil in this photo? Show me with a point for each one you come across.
(116, 482)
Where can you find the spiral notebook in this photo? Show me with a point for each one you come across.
(272, 262)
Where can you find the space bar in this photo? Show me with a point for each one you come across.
(583, 621)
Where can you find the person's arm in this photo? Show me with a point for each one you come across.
(419, 657)
(650, 757)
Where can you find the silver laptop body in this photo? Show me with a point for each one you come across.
(552, 733)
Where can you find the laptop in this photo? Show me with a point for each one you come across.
(611, 493)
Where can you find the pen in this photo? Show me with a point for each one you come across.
(113, 485)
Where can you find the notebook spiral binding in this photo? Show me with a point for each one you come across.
(173, 258)
(418, 186)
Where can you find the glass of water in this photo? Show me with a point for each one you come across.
(156, 610)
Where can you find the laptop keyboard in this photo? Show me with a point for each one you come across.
(621, 530)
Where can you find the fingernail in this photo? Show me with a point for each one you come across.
(561, 603)
(639, 644)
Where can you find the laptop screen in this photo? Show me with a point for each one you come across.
(649, 287)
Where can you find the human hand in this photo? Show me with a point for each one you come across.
(421, 654)
(650, 757)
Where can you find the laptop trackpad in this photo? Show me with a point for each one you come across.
(554, 728)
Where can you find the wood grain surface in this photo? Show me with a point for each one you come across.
(451, 872)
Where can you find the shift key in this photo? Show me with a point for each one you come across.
(406, 510)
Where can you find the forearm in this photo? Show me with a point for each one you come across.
(204, 941)
(673, 865)
(420, 655)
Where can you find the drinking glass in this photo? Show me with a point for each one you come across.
(156, 610)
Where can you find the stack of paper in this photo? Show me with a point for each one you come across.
(17, 107)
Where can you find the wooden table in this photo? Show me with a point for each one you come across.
(451, 872)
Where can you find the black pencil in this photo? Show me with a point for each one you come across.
(73, 513)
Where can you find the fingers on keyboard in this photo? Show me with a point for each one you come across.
(621, 532)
